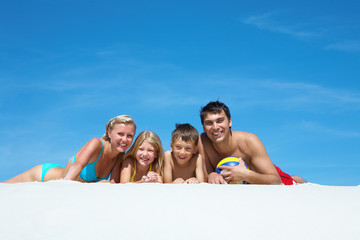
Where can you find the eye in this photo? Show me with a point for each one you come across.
(208, 123)
(220, 120)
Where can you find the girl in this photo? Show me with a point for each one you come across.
(144, 160)
(95, 161)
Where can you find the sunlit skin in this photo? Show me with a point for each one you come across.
(145, 156)
(183, 164)
(121, 137)
(217, 127)
(218, 142)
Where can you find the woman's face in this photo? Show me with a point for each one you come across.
(122, 136)
(146, 154)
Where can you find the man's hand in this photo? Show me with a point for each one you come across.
(235, 174)
(215, 178)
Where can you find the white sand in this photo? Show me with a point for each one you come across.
(71, 210)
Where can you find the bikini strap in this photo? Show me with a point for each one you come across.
(100, 151)
(132, 178)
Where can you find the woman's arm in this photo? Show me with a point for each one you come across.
(93, 147)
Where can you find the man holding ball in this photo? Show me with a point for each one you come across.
(218, 141)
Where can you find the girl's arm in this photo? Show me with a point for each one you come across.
(115, 172)
(126, 170)
(200, 166)
(167, 167)
(85, 155)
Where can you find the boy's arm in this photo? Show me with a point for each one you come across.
(167, 167)
(200, 168)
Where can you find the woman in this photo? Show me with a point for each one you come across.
(94, 162)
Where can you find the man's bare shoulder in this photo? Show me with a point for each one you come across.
(248, 141)
(244, 136)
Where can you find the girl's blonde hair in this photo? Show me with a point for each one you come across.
(155, 141)
(125, 119)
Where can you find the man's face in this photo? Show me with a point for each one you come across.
(217, 126)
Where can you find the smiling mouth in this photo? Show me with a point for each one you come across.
(181, 158)
(216, 134)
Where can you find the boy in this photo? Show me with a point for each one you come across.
(183, 163)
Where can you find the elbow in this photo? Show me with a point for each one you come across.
(276, 180)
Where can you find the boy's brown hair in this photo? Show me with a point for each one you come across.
(185, 132)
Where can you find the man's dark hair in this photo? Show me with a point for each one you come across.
(214, 107)
(185, 132)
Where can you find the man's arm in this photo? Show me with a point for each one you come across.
(262, 170)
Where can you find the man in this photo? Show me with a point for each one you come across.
(219, 141)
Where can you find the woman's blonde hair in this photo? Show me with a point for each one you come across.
(155, 141)
(125, 119)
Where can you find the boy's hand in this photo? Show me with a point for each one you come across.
(179, 181)
(192, 180)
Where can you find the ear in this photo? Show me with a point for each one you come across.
(230, 123)
(109, 133)
(196, 149)
(171, 145)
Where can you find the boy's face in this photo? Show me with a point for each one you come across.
(217, 126)
(183, 151)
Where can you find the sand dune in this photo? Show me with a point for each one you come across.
(72, 210)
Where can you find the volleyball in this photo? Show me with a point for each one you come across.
(230, 162)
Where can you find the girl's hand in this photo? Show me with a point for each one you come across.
(150, 177)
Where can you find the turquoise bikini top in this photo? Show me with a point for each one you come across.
(88, 173)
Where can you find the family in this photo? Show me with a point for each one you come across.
(192, 158)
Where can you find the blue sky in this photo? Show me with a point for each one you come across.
(289, 72)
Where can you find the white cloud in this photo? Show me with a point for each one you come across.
(267, 22)
(347, 46)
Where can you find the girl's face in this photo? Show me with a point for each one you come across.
(122, 136)
(146, 154)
